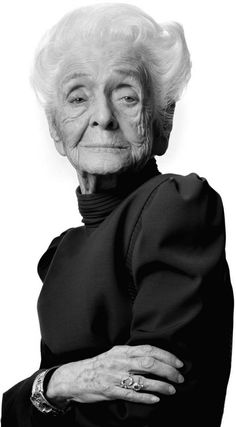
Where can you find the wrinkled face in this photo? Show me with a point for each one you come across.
(103, 117)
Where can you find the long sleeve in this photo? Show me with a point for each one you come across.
(184, 302)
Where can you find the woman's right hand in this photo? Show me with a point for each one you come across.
(98, 378)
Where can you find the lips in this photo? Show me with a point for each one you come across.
(115, 147)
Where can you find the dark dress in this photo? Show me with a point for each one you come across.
(148, 267)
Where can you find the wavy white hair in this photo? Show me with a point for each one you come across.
(162, 48)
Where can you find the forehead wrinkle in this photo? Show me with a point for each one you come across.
(127, 63)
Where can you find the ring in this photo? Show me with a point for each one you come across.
(137, 386)
(129, 382)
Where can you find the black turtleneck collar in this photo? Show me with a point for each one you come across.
(95, 207)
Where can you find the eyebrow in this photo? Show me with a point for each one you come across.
(74, 76)
(128, 73)
(124, 72)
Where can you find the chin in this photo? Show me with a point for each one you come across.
(104, 162)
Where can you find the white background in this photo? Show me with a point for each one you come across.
(37, 185)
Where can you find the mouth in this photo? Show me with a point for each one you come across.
(105, 147)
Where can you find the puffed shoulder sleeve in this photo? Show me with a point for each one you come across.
(184, 301)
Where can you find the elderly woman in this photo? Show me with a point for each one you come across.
(136, 305)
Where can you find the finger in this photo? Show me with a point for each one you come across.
(150, 365)
(155, 352)
(147, 384)
(154, 385)
(134, 396)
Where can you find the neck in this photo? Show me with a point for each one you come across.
(90, 183)
(122, 182)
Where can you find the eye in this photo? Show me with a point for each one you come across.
(77, 100)
(77, 96)
(129, 99)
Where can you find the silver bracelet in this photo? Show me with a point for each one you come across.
(39, 400)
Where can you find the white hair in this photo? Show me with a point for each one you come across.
(162, 48)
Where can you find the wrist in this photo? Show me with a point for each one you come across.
(55, 390)
(38, 396)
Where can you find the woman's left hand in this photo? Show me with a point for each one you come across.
(99, 378)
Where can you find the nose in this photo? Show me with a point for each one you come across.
(103, 116)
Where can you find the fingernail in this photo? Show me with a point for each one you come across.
(172, 389)
(179, 364)
(180, 378)
(155, 399)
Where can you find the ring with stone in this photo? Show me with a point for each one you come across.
(137, 386)
(128, 382)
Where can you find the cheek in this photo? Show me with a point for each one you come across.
(73, 128)
(136, 126)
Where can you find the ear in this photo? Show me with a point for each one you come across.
(55, 134)
(161, 131)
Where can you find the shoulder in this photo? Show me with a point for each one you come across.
(182, 218)
(182, 192)
(181, 204)
(188, 187)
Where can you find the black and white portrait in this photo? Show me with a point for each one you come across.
(118, 229)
